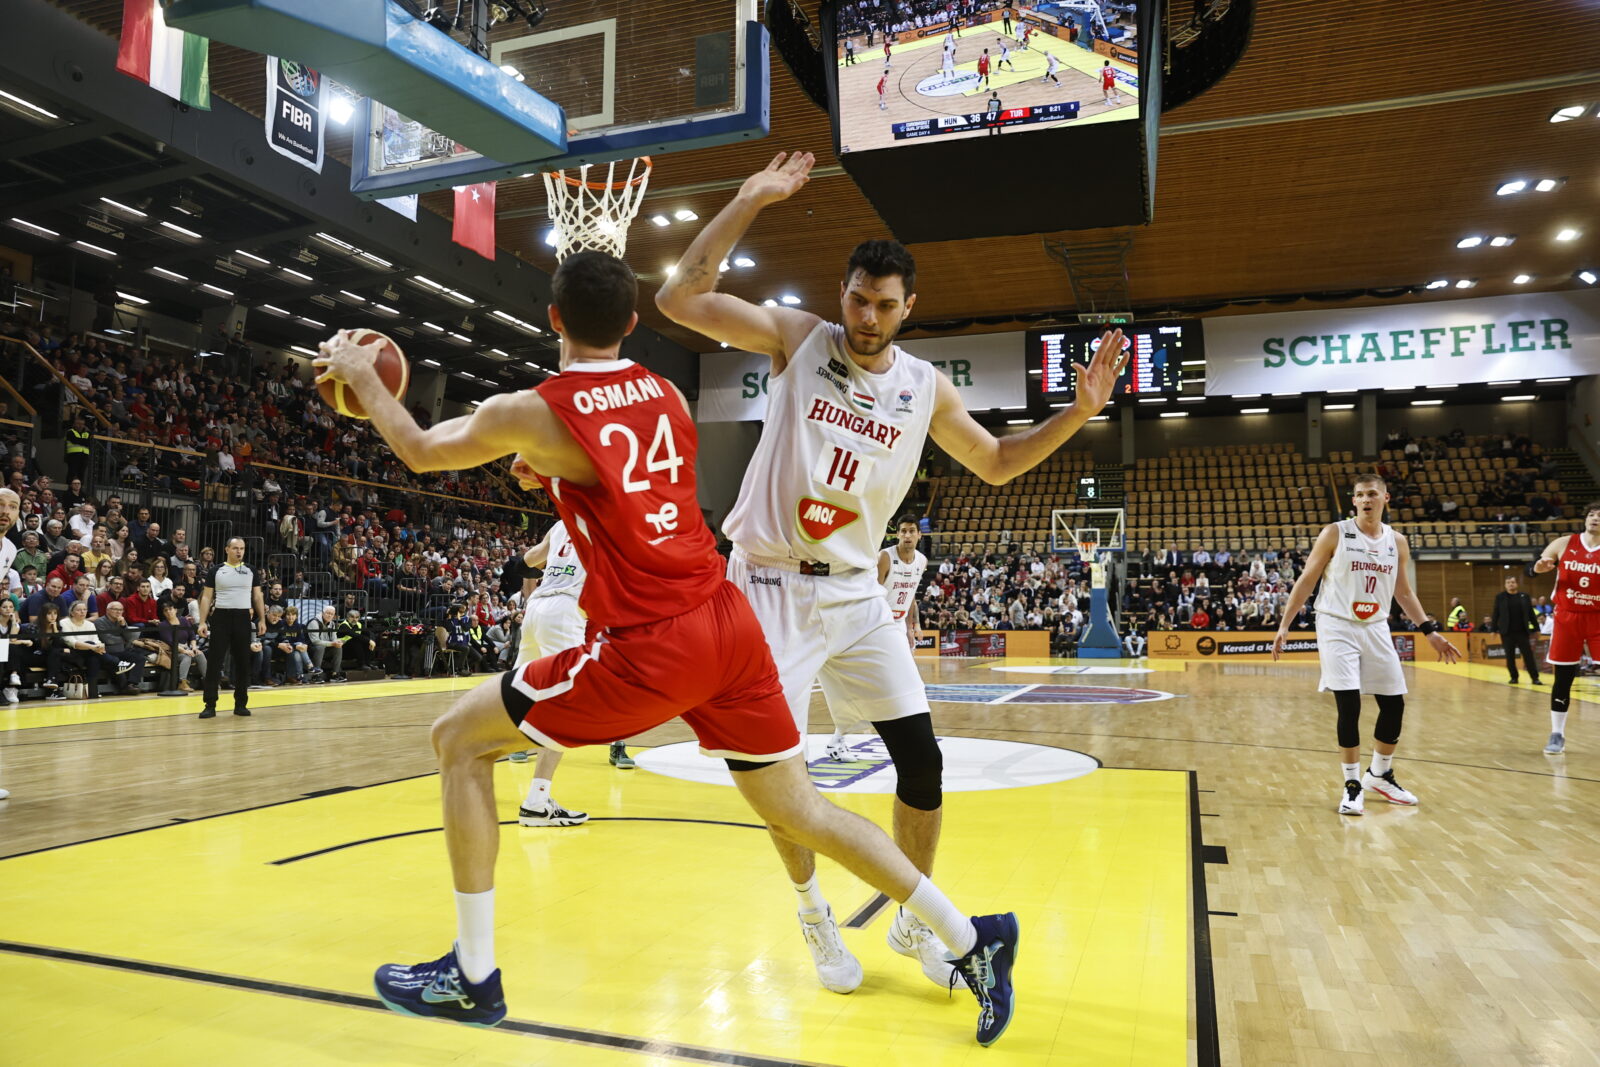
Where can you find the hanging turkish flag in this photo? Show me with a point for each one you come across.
(474, 222)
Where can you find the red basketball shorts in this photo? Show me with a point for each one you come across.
(710, 666)
(1573, 630)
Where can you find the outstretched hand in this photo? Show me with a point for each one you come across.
(1543, 565)
(782, 178)
(1096, 381)
(523, 472)
(342, 360)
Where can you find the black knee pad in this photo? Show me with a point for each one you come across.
(1348, 701)
(918, 763)
(1391, 712)
(1561, 688)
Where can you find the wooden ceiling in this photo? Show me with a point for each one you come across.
(1349, 150)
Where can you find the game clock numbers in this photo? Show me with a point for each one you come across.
(1156, 351)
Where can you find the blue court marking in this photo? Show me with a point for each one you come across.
(1042, 694)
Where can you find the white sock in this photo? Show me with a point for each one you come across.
(943, 918)
(1558, 723)
(475, 934)
(813, 905)
(538, 795)
(1382, 763)
(1352, 771)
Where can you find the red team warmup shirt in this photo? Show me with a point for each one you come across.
(1577, 603)
(675, 638)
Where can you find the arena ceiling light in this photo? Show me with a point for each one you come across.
(433, 326)
(1522, 279)
(1254, 411)
(379, 260)
(1517, 381)
(170, 275)
(1438, 283)
(1173, 414)
(790, 299)
(550, 237)
(1246, 396)
(384, 309)
(96, 249)
(1426, 403)
(354, 298)
(1511, 188)
(33, 227)
(428, 283)
(683, 214)
(1466, 283)
(1525, 396)
(29, 104)
(1338, 407)
(341, 110)
(1470, 242)
(1019, 422)
(743, 261)
(512, 72)
(219, 290)
(303, 351)
(124, 208)
(313, 323)
(460, 298)
(1152, 400)
(1103, 418)
(273, 309)
(182, 231)
(1551, 381)
(660, 220)
(1503, 240)
(130, 298)
(769, 303)
(1568, 113)
(330, 239)
(1191, 400)
(1342, 392)
(1568, 234)
(1544, 185)
(252, 257)
(296, 274)
(430, 363)
(1588, 277)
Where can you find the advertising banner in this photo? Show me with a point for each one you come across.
(1526, 335)
(1252, 645)
(294, 111)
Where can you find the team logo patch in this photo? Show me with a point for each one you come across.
(1364, 609)
(820, 520)
(862, 400)
(905, 399)
(838, 367)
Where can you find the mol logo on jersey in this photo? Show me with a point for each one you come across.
(820, 520)
(1364, 609)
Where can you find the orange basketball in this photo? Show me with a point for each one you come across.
(393, 370)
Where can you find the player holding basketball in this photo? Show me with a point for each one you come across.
(1362, 563)
(847, 419)
(613, 446)
(900, 570)
(1108, 83)
(1577, 615)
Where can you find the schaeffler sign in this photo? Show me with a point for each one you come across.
(1538, 335)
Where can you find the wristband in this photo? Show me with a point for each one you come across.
(1428, 628)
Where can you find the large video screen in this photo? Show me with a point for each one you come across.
(998, 72)
(1158, 351)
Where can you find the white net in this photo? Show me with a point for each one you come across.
(595, 212)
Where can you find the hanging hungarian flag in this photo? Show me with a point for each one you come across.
(174, 62)
(474, 221)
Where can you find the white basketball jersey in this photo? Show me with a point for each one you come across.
(838, 453)
(903, 580)
(1358, 583)
(563, 570)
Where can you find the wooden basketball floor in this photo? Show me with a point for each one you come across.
(175, 891)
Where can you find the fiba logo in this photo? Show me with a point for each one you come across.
(1206, 646)
(303, 80)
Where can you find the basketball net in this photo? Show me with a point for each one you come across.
(1089, 552)
(596, 214)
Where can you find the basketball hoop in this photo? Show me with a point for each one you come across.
(1088, 544)
(595, 214)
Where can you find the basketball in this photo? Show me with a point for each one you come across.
(393, 370)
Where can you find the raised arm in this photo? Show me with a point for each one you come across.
(1551, 555)
(997, 460)
(690, 298)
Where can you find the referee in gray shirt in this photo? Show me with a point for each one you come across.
(231, 597)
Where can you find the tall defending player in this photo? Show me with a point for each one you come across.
(847, 419)
(900, 569)
(1362, 563)
(613, 446)
(1577, 615)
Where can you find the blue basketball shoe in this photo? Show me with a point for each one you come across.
(438, 990)
(987, 972)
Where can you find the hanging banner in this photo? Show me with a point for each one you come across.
(1532, 335)
(987, 371)
(403, 205)
(294, 111)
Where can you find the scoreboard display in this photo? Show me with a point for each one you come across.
(1156, 350)
(1015, 116)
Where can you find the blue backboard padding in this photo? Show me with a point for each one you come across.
(378, 48)
(750, 123)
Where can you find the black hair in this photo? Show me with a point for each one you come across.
(880, 259)
(908, 517)
(596, 294)
(1595, 506)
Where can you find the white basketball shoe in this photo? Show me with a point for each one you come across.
(837, 969)
(1386, 787)
(910, 936)
(1352, 801)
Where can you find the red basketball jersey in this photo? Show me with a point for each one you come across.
(1578, 577)
(983, 64)
(1108, 77)
(638, 530)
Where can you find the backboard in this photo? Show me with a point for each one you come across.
(646, 77)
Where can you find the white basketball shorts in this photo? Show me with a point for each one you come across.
(549, 625)
(836, 629)
(1358, 656)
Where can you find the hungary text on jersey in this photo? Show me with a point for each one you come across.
(1358, 582)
